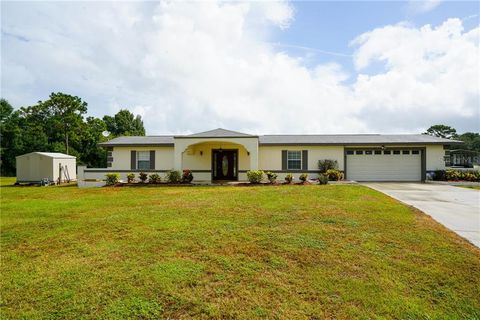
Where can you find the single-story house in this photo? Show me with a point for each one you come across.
(227, 155)
(34, 167)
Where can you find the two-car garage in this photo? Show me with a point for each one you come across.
(400, 164)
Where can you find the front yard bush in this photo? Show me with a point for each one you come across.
(334, 174)
(130, 177)
(303, 177)
(322, 179)
(143, 177)
(456, 175)
(289, 178)
(255, 176)
(327, 164)
(439, 175)
(173, 176)
(112, 178)
(271, 176)
(154, 178)
(187, 176)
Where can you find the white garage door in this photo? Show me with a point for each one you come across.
(384, 165)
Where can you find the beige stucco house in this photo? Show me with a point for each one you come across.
(227, 155)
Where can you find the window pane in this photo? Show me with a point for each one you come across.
(143, 155)
(294, 165)
(368, 151)
(143, 165)
(294, 155)
(349, 151)
(396, 151)
(294, 160)
(143, 160)
(415, 152)
(405, 151)
(359, 152)
(378, 151)
(386, 152)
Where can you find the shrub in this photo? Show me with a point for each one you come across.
(187, 176)
(322, 179)
(130, 177)
(303, 177)
(173, 176)
(143, 177)
(154, 178)
(334, 175)
(439, 175)
(451, 174)
(271, 176)
(289, 178)
(112, 178)
(327, 164)
(466, 175)
(255, 176)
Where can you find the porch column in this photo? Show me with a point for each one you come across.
(253, 148)
(178, 155)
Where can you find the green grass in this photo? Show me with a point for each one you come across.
(471, 187)
(286, 252)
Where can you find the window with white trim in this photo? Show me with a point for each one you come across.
(143, 160)
(294, 160)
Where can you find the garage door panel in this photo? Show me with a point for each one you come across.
(384, 167)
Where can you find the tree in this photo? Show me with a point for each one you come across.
(65, 115)
(5, 110)
(10, 135)
(442, 131)
(124, 123)
(471, 140)
(90, 153)
(58, 125)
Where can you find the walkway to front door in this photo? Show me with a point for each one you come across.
(224, 164)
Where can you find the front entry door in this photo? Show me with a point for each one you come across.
(224, 164)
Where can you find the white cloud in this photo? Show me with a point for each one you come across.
(195, 66)
(428, 72)
(422, 6)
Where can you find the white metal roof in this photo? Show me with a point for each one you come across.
(57, 155)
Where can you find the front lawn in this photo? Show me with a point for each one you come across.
(286, 252)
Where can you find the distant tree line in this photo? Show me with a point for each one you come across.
(471, 140)
(59, 125)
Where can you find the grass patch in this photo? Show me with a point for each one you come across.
(342, 251)
(471, 187)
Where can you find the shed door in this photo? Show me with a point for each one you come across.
(384, 165)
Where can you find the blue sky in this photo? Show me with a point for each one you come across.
(258, 67)
(332, 25)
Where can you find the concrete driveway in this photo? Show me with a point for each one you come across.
(456, 208)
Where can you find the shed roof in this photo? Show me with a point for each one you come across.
(56, 155)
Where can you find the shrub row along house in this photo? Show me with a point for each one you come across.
(224, 155)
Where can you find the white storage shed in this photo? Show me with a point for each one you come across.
(35, 166)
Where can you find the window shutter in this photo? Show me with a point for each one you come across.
(284, 159)
(152, 159)
(304, 159)
(133, 159)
